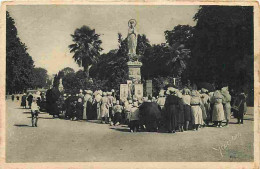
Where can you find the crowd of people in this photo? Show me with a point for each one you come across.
(172, 110)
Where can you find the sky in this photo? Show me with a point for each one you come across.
(46, 29)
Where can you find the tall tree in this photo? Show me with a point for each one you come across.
(67, 70)
(86, 47)
(19, 63)
(40, 77)
(223, 46)
(223, 39)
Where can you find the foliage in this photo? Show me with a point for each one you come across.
(19, 64)
(86, 47)
(40, 77)
(222, 49)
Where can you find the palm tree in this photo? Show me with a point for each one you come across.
(86, 47)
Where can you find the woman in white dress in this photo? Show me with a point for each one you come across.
(218, 110)
(104, 108)
(196, 110)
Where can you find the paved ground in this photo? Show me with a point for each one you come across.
(58, 140)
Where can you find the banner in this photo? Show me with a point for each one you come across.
(139, 91)
(123, 91)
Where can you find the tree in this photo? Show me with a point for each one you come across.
(223, 46)
(40, 78)
(67, 70)
(19, 63)
(86, 47)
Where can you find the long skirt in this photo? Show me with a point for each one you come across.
(204, 113)
(218, 112)
(227, 111)
(187, 112)
(171, 119)
(180, 119)
(117, 117)
(98, 111)
(104, 111)
(197, 115)
(84, 117)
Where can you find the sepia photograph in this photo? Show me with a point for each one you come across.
(129, 83)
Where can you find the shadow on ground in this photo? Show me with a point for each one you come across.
(22, 125)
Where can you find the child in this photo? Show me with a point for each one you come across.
(134, 118)
(34, 111)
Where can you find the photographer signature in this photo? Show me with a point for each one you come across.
(228, 143)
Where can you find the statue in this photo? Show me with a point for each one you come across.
(132, 38)
(61, 85)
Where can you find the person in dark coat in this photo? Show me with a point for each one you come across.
(12, 97)
(180, 114)
(23, 103)
(17, 98)
(240, 107)
(150, 115)
(171, 106)
(52, 97)
(79, 109)
(30, 99)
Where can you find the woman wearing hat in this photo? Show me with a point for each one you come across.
(104, 108)
(23, 103)
(206, 104)
(226, 103)
(171, 106)
(87, 105)
(134, 118)
(110, 104)
(97, 102)
(186, 98)
(218, 110)
(196, 110)
(117, 109)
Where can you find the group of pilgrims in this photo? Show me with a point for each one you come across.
(171, 111)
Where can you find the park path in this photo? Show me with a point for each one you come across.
(58, 140)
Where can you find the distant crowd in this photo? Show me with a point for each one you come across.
(171, 111)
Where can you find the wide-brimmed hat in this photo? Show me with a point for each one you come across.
(88, 91)
(171, 90)
(135, 104)
(104, 93)
(109, 93)
(204, 90)
(179, 94)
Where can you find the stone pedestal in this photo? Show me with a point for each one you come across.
(134, 70)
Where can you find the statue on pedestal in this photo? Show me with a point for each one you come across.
(132, 39)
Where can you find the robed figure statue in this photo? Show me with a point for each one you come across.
(132, 38)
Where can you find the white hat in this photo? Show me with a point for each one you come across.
(109, 93)
(135, 104)
(104, 93)
(65, 94)
(80, 100)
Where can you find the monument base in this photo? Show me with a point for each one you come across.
(134, 71)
